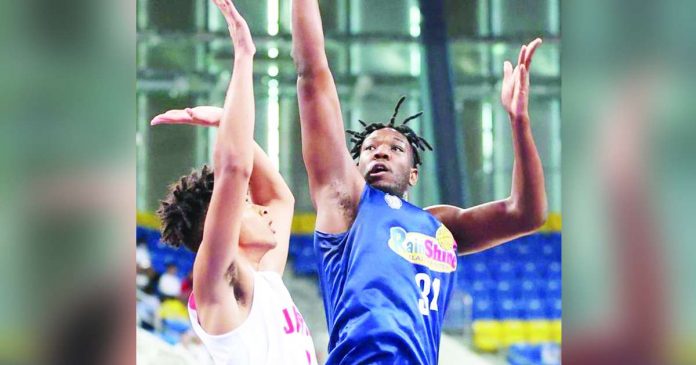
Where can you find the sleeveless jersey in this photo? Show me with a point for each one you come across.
(273, 333)
(386, 282)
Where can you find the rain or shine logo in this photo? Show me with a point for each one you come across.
(438, 254)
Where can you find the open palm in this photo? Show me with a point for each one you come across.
(204, 116)
(515, 91)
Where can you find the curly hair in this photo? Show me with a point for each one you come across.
(183, 210)
(417, 142)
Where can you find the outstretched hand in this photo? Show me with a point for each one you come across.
(204, 116)
(239, 30)
(515, 91)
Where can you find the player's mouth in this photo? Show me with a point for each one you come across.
(377, 169)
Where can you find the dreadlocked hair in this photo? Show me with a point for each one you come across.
(183, 210)
(417, 142)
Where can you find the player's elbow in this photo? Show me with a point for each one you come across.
(228, 163)
(534, 220)
(528, 217)
(308, 64)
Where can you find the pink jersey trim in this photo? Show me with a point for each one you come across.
(192, 302)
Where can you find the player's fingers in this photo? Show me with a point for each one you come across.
(521, 57)
(163, 119)
(530, 52)
(523, 78)
(507, 70)
(156, 120)
(233, 10)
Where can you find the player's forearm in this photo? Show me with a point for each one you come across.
(235, 138)
(266, 184)
(307, 37)
(528, 195)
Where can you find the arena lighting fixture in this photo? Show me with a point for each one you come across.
(273, 70)
(414, 21)
(272, 17)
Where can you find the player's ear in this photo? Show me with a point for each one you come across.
(413, 176)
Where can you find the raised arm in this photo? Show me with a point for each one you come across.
(232, 161)
(334, 182)
(524, 211)
(266, 185)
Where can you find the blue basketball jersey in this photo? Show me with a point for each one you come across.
(386, 282)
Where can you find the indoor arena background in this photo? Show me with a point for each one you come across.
(507, 304)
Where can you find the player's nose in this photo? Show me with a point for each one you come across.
(381, 153)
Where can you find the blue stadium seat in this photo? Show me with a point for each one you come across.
(479, 271)
(463, 282)
(305, 262)
(504, 271)
(508, 308)
(528, 288)
(531, 269)
(522, 249)
(479, 287)
(299, 242)
(553, 270)
(553, 287)
(534, 308)
(526, 354)
(483, 308)
(553, 307)
(504, 289)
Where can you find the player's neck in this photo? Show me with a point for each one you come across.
(252, 255)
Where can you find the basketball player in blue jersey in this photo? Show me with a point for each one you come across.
(386, 266)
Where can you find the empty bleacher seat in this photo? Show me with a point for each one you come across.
(305, 262)
(483, 308)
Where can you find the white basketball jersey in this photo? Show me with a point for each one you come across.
(273, 333)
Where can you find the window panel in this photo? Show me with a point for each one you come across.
(469, 58)
(466, 17)
(387, 58)
(171, 15)
(383, 16)
(514, 17)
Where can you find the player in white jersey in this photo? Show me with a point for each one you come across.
(237, 218)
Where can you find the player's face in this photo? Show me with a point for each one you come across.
(386, 162)
(257, 227)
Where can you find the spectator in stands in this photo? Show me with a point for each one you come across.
(147, 307)
(172, 309)
(143, 264)
(187, 286)
(169, 283)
